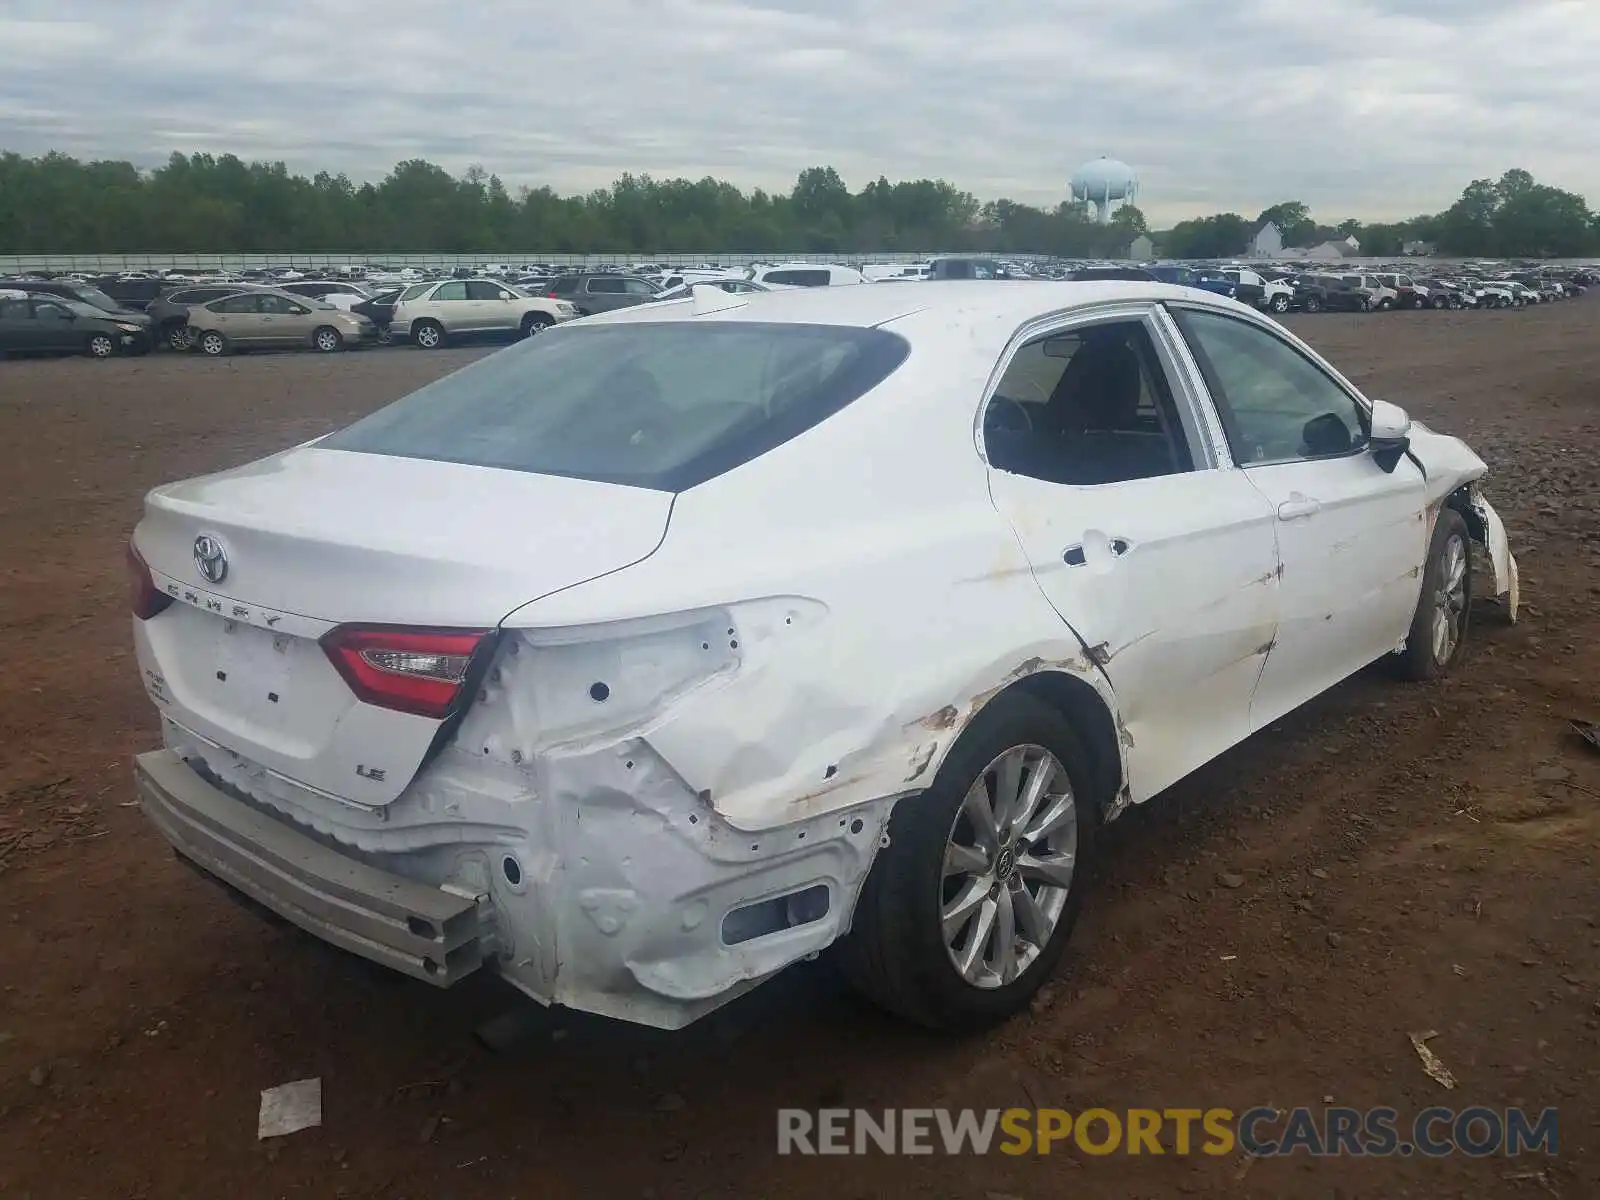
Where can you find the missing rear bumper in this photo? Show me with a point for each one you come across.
(418, 930)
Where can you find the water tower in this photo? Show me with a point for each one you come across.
(1104, 183)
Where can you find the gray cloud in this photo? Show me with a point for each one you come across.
(1374, 108)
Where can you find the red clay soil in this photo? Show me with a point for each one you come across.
(1393, 858)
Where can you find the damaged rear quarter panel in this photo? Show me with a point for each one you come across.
(866, 620)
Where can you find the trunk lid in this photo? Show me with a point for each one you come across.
(314, 539)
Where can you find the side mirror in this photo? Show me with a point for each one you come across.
(1391, 433)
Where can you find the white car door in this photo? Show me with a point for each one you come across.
(1352, 536)
(1160, 557)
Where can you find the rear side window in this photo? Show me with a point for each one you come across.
(608, 285)
(413, 292)
(634, 404)
(798, 278)
(564, 286)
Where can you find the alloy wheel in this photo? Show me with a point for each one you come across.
(1450, 600)
(1008, 866)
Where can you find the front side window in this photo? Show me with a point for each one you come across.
(245, 302)
(1276, 404)
(1091, 406)
(50, 312)
(634, 404)
(640, 287)
(482, 289)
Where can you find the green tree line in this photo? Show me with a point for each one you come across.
(202, 203)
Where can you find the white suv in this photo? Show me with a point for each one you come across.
(429, 314)
(790, 275)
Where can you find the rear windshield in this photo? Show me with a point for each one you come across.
(663, 406)
(95, 297)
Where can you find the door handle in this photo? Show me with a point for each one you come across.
(1074, 556)
(1297, 506)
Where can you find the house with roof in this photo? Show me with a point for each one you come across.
(1267, 243)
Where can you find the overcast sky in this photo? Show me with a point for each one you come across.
(1371, 108)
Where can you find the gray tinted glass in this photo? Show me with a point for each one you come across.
(634, 404)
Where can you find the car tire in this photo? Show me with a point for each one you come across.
(429, 335)
(100, 345)
(1385, 304)
(325, 339)
(534, 324)
(385, 335)
(175, 336)
(1279, 304)
(1366, 304)
(1313, 304)
(1444, 609)
(897, 952)
(212, 344)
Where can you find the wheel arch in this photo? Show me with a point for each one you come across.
(1089, 711)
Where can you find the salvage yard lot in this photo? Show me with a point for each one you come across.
(1390, 859)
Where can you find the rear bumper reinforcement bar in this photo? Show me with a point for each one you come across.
(422, 931)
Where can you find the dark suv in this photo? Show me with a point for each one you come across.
(958, 267)
(602, 291)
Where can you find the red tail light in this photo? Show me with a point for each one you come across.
(551, 296)
(144, 598)
(418, 671)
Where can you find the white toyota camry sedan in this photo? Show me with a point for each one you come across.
(644, 658)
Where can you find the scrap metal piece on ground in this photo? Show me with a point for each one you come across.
(1588, 731)
(289, 1108)
(1431, 1063)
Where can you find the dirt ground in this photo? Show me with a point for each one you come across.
(1412, 858)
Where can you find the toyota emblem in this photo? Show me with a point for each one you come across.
(210, 559)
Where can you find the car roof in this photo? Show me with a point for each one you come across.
(1007, 304)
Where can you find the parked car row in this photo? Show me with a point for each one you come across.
(1280, 290)
(68, 314)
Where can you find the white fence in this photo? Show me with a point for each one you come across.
(113, 263)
